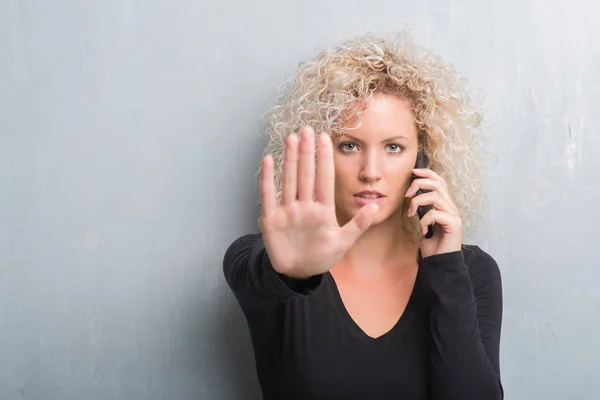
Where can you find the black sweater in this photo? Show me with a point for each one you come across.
(306, 345)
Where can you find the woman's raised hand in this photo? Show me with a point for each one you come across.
(301, 233)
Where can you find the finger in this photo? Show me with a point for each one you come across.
(448, 222)
(306, 165)
(431, 185)
(358, 225)
(433, 199)
(268, 195)
(424, 184)
(428, 173)
(290, 171)
(325, 172)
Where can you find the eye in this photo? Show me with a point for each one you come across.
(348, 147)
(395, 148)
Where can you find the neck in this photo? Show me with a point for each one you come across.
(382, 248)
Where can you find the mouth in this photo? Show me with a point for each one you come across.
(368, 197)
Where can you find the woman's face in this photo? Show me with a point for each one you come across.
(378, 156)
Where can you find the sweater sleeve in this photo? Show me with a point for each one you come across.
(465, 324)
(254, 282)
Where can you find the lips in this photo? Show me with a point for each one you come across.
(369, 196)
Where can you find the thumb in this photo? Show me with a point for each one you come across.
(359, 224)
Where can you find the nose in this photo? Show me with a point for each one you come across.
(370, 170)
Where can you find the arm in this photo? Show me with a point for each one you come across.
(465, 323)
(301, 232)
(252, 279)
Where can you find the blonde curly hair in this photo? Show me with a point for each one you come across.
(343, 77)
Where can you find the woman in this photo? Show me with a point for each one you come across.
(345, 295)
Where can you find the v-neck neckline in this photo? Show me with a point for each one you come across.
(353, 325)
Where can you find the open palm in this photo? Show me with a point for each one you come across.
(301, 234)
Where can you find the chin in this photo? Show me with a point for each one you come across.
(382, 216)
(349, 212)
(387, 213)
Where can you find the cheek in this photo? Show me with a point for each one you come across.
(341, 192)
(399, 178)
(406, 181)
(343, 175)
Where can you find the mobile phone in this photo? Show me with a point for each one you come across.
(422, 162)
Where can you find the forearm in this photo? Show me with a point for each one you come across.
(253, 280)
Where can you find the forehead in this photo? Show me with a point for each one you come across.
(384, 116)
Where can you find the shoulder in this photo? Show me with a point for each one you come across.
(482, 267)
(247, 240)
(241, 248)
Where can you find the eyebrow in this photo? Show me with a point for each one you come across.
(386, 140)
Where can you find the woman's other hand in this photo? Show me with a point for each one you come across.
(447, 230)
